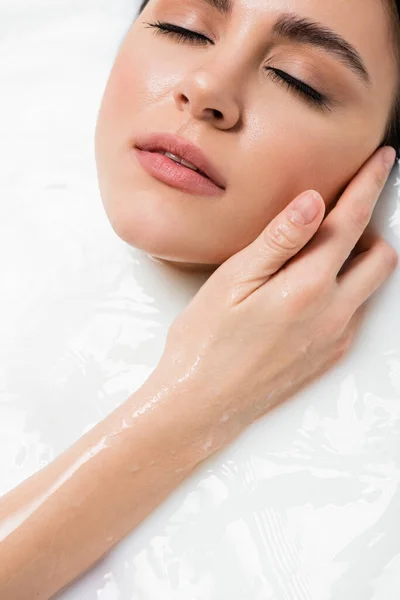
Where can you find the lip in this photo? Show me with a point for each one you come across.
(172, 173)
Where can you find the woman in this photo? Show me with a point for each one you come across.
(286, 302)
(229, 89)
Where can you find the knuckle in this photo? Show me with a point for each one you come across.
(308, 299)
(281, 238)
(325, 279)
(338, 354)
(360, 217)
(321, 282)
(298, 304)
(334, 328)
(386, 254)
(313, 291)
(379, 177)
(391, 256)
(343, 345)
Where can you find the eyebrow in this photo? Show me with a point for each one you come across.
(305, 31)
(224, 6)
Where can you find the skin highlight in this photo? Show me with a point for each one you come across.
(261, 328)
(273, 317)
(270, 144)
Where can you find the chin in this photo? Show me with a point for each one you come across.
(192, 267)
(161, 237)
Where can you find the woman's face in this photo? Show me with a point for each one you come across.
(228, 92)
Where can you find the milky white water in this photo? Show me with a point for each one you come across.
(306, 505)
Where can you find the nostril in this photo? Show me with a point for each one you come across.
(217, 114)
(181, 99)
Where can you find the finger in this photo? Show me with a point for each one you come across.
(367, 272)
(282, 239)
(346, 223)
(366, 241)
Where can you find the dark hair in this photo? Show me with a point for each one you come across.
(392, 133)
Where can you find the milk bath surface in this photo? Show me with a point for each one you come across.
(306, 504)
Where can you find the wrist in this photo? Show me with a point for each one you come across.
(195, 419)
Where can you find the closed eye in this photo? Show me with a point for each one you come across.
(180, 33)
(299, 87)
(296, 86)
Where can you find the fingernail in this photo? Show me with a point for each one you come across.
(305, 208)
(389, 156)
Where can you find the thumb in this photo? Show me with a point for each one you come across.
(280, 241)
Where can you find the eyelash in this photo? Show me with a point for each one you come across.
(296, 86)
(299, 87)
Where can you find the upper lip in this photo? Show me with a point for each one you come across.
(166, 142)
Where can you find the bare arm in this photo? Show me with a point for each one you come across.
(60, 521)
(253, 336)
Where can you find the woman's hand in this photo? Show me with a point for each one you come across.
(271, 318)
(283, 310)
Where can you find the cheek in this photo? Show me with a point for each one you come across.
(120, 101)
(139, 79)
(284, 156)
(279, 160)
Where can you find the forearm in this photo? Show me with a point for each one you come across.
(63, 519)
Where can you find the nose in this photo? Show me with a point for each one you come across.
(207, 98)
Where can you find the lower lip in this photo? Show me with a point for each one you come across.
(177, 176)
